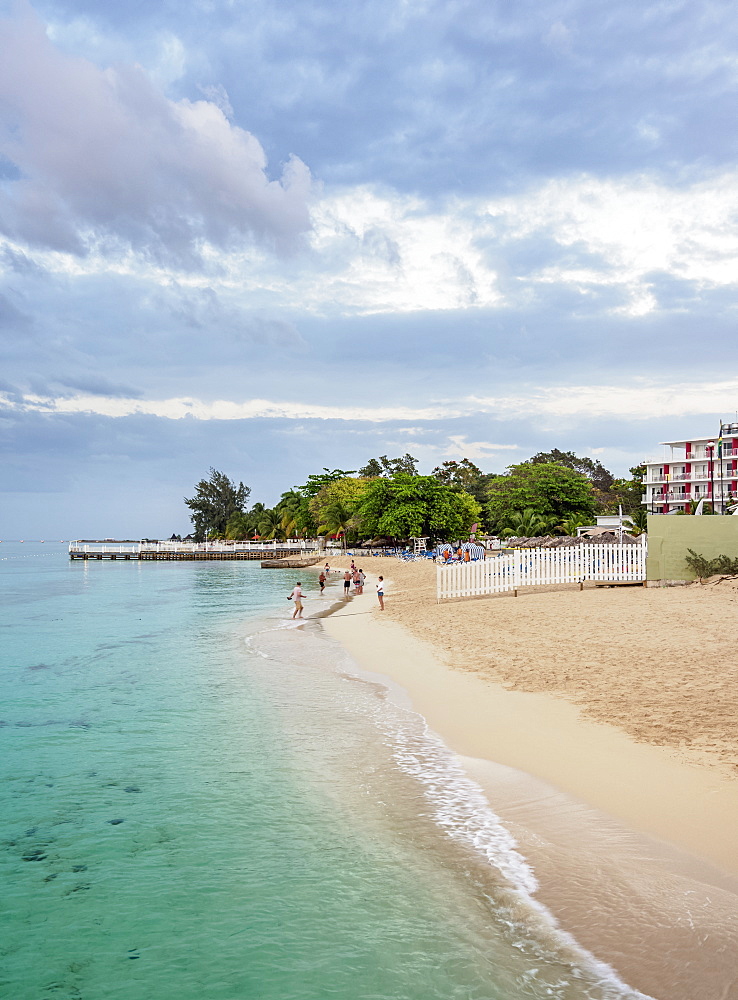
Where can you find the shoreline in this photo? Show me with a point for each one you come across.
(656, 790)
(632, 845)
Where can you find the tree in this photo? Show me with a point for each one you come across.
(372, 469)
(595, 471)
(383, 466)
(215, 500)
(464, 474)
(570, 524)
(337, 518)
(548, 489)
(640, 521)
(406, 506)
(238, 526)
(627, 493)
(346, 492)
(292, 508)
(527, 524)
(270, 524)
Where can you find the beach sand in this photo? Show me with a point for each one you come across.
(602, 724)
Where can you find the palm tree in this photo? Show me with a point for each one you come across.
(289, 508)
(640, 522)
(337, 519)
(270, 525)
(570, 525)
(527, 524)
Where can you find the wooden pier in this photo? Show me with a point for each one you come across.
(296, 552)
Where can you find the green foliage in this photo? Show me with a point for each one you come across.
(383, 466)
(640, 521)
(293, 508)
(527, 524)
(238, 526)
(626, 493)
(215, 500)
(548, 489)
(408, 506)
(270, 524)
(337, 518)
(703, 567)
(570, 524)
(464, 474)
(343, 494)
(595, 471)
(315, 484)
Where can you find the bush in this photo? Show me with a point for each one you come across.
(704, 567)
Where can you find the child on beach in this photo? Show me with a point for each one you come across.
(380, 593)
(296, 596)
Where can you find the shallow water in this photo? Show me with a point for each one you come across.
(202, 801)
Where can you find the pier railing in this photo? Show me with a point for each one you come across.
(81, 548)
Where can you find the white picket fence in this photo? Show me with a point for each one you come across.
(537, 567)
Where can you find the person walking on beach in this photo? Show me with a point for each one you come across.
(296, 596)
(321, 581)
(362, 578)
(380, 593)
(346, 583)
(357, 581)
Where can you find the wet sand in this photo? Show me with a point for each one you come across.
(633, 841)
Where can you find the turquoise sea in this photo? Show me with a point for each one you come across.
(202, 802)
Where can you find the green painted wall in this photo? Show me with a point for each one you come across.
(669, 537)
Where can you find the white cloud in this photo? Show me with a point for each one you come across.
(641, 400)
(105, 159)
(475, 451)
(373, 251)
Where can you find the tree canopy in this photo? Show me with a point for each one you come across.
(408, 506)
(216, 499)
(384, 466)
(595, 471)
(546, 489)
(466, 475)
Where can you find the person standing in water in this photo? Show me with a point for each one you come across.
(346, 583)
(380, 593)
(296, 596)
(321, 581)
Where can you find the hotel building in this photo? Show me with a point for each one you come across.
(693, 470)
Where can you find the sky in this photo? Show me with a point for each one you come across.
(271, 237)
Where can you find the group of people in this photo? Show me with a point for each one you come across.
(354, 575)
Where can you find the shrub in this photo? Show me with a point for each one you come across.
(704, 567)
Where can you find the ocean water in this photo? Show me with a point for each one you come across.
(200, 801)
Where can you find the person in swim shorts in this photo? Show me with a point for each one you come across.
(346, 583)
(380, 593)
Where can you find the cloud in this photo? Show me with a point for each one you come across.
(475, 451)
(105, 159)
(642, 399)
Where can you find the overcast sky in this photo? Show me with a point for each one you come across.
(274, 236)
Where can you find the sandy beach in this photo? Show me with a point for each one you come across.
(602, 724)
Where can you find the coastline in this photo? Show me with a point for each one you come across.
(684, 796)
(632, 843)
